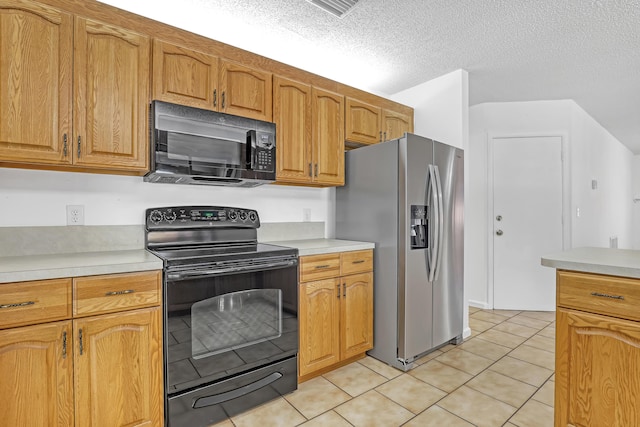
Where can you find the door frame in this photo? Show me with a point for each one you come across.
(566, 195)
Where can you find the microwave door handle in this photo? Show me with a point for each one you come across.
(251, 149)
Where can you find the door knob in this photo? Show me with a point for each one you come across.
(499, 218)
(499, 232)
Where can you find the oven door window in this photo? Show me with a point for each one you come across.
(235, 320)
(220, 326)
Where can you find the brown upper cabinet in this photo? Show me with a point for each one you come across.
(188, 77)
(309, 134)
(99, 121)
(370, 124)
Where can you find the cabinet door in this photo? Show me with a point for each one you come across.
(292, 116)
(319, 323)
(246, 92)
(35, 83)
(394, 124)
(184, 76)
(356, 315)
(328, 137)
(111, 82)
(597, 361)
(363, 122)
(118, 369)
(37, 375)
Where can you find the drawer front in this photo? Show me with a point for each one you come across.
(608, 295)
(315, 267)
(116, 292)
(26, 303)
(356, 262)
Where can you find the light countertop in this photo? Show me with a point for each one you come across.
(323, 246)
(53, 266)
(614, 262)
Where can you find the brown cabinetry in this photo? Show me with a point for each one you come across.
(336, 310)
(310, 134)
(96, 370)
(188, 77)
(99, 123)
(597, 350)
(369, 124)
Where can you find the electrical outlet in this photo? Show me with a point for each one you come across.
(306, 214)
(75, 214)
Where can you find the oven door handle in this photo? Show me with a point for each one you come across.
(190, 274)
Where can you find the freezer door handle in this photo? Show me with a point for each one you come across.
(432, 251)
(439, 222)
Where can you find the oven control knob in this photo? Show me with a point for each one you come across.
(233, 215)
(155, 217)
(243, 215)
(253, 216)
(170, 216)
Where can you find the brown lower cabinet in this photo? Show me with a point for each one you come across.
(96, 370)
(336, 310)
(597, 350)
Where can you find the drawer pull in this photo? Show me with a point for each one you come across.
(110, 294)
(18, 304)
(598, 294)
(360, 261)
(322, 266)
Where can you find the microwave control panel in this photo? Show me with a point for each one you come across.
(265, 152)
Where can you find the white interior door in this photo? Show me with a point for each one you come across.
(527, 220)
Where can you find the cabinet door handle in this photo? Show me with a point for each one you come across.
(79, 142)
(338, 288)
(322, 266)
(316, 170)
(80, 340)
(17, 304)
(380, 136)
(223, 100)
(215, 97)
(112, 293)
(598, 294)
(310, 170)
(360, 261)
(64, 145)
(64, 345)
(385, 136)
(344, 290)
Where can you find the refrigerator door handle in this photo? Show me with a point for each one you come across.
(432, 193)
(439, 223)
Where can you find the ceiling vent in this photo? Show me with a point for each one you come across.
(338, 8)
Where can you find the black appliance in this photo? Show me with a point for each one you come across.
(230, 312)
(195, 146)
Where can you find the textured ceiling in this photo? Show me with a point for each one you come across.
(514, 50)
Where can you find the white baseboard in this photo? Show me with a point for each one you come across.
(466, 333)
(479, 304)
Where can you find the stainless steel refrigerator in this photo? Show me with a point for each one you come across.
(406, 195)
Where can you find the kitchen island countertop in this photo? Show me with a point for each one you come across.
(323, 246)
(54, 266)
(613, 262)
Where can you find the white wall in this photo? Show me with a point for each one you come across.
(39, 198)
(441, 112)
(592, 154)
(441, 108)
(635, 187)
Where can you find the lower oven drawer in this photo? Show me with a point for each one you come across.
(215, 402)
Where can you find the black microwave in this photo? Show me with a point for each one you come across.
(195, 146)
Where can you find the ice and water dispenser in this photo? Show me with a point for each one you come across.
(419, 227)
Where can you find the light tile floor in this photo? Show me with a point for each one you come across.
(502, 375)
